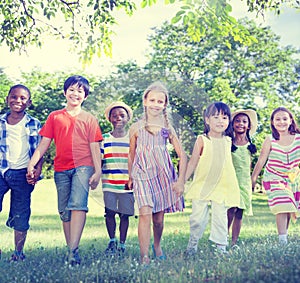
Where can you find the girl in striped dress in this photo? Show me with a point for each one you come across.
(153, 178)
(281, 174)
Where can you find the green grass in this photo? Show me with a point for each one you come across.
(259, 258)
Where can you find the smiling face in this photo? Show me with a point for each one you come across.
(18, 100)
(118, 117)
(218, 123)
(75, 95)
(241, 123)
(155, 101)
(281, 121)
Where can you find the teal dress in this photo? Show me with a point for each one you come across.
(241, 159)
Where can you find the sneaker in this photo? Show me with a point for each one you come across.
(121, 249)
(111, 249)
(17, 256)
(74, 258)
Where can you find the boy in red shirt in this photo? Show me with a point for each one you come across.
(77, 163)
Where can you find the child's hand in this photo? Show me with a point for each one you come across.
(127, 188)
(30, 172)
(30, 178)
(94, 180)
(178, 188)
(130, 184)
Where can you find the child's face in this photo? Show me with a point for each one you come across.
(118, 117)
(282, 121)
(218, 123)
(18, 100)
(75, 95)
(241, 124)
(155, 102)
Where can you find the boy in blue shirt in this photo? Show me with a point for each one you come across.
(19, 137)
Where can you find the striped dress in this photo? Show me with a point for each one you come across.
(281, 177)
(153, 173)
(114, 153)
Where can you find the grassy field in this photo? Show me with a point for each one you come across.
(258, 259)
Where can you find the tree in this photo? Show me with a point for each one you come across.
(240, 75)
(88, 24)
(5, 84)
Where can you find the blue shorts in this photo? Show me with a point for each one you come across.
(72, 190)
(20, 198)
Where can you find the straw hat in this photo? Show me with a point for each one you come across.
(115, 105)
(252, 116)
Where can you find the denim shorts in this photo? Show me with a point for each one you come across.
(72, 190)
(19, 213)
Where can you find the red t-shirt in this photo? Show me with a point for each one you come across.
(72, 137)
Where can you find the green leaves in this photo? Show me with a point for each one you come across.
(86, 22)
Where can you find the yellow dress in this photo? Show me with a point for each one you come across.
(214, 177)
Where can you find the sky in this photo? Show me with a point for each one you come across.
(130, 42)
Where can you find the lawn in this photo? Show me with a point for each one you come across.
(258, 259)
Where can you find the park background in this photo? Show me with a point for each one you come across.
(260, 72)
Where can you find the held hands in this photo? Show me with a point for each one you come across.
(94, 180)
(178, 188)
(129, 185)
(33, 174)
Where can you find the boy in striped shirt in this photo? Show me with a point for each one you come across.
(117, 198)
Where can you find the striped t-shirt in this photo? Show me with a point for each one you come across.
(114, 163)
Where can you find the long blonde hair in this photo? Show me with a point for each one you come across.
(159, 87)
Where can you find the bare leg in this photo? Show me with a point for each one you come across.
(66, 227)
(158, 226)
(236, 226)
(76, 227)
(288, 222)
(124, 223)
(144, 232)
(282, 221)
(230, 216)
(20, 238)
(110, 222)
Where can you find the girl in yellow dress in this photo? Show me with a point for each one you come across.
(215, 181)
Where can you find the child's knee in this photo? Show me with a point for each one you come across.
(65, 216)
(109, 213)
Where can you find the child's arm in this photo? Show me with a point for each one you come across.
(178, 186)
(96, 156)
(193, 162)
(132, 148)
(264, 154)
(35, 163)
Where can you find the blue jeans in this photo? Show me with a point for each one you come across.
(72, 190)
(19, 213)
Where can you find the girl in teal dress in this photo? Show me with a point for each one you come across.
(244, 124)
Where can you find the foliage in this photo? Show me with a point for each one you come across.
(88, 24)
(261, 76)
(5, 84)
(260, 6)
(45, 249)
(255, 76)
